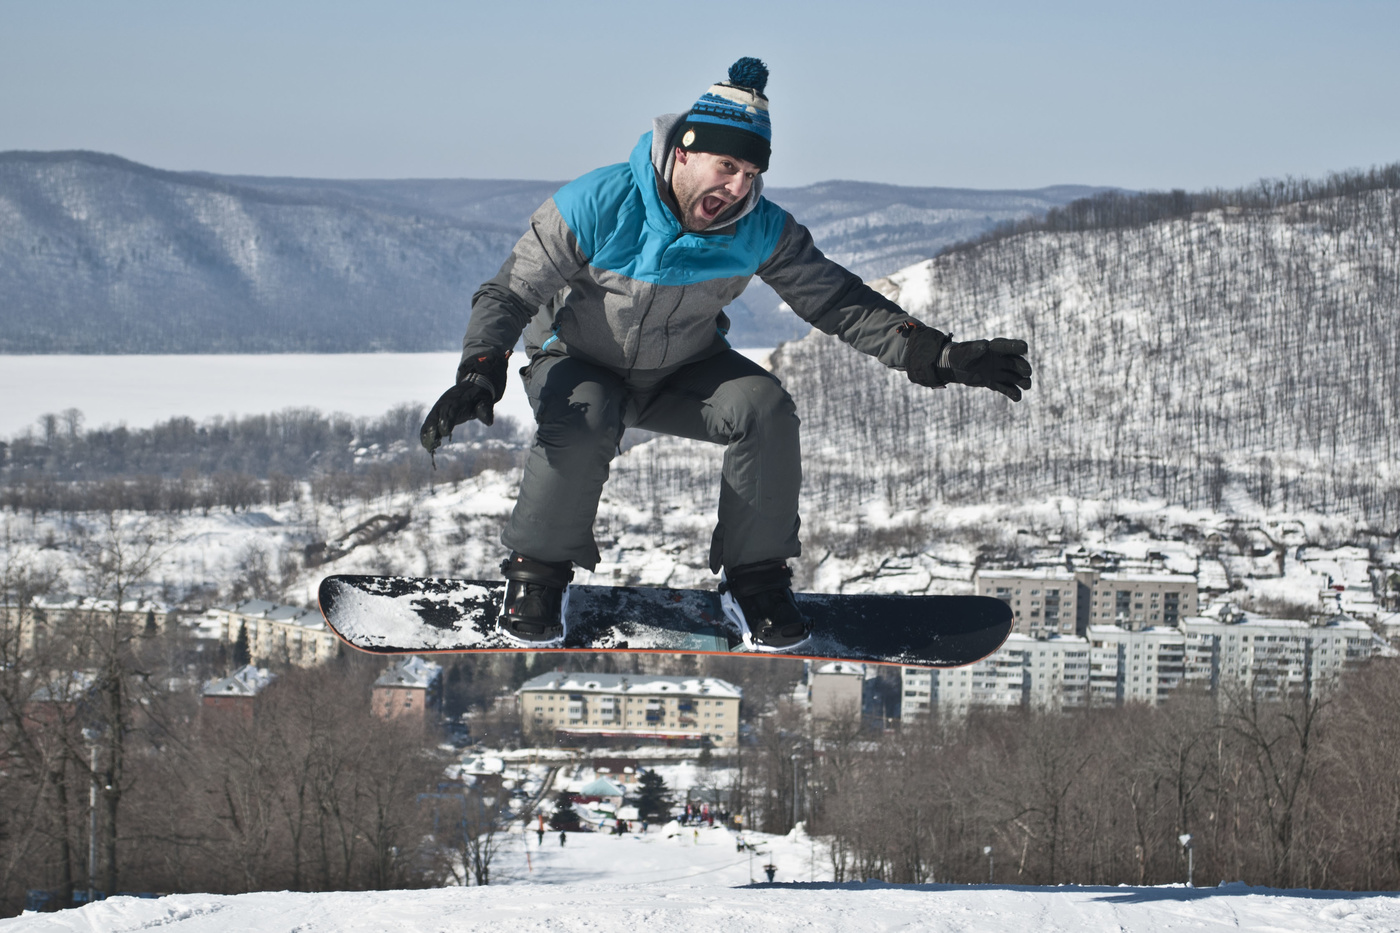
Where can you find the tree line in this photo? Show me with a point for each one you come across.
(1302, 792)
(1109, 209)
(181, 466)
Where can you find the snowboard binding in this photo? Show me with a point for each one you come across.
(757, 599)
(536, 601)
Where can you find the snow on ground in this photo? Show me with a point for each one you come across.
(694, 882)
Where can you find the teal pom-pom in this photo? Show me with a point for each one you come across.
(750, 73)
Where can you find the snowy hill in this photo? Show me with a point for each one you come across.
(693, 883)
(1227, 360)
(102, 255)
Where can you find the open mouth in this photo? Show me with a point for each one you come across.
(711, 205)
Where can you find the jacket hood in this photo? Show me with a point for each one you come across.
(656, 149)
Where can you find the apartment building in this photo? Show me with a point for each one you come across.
(1274, 656)
(1045, 600)
(1045, 673)
(1134, 666)
(30, 625)
(1138, 600)
(997, 681)
(632, 706)
(1057, 601)
(285, 634)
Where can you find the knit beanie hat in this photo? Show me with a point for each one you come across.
(731, 118)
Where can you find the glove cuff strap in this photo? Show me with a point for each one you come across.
(477, 379)
(942, 369)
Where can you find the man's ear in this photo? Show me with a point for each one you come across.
(682, 155)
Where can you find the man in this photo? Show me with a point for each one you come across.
(618, 288)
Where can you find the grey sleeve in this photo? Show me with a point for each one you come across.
(541, 264)
(832, 298)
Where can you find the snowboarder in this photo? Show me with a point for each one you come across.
(618, 288)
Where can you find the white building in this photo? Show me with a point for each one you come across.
(1274, 656)
(634, 706)
(286, 634)
(1134, 666)
(1057, 672)
(997, 681)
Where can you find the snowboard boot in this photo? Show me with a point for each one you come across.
(536, 596)
(758, 598)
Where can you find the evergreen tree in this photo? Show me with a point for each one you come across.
(654, 800)
(241, 654)
(564, 817)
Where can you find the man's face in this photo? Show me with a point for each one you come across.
(706, 185)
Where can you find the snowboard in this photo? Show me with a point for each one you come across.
(413, 615)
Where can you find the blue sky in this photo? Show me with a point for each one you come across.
(984, 95)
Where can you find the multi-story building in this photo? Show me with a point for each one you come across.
(1045, 600)
(1046, 673)
(1274, 656)
(408, 689)
(836, 690)
(996, 681)
(1138, 600)
(1134, 666)
(1055, 601)
(633, 706)
(31, 625)
(282, 634)
(1056, 672)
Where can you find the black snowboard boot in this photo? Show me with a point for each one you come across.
(536, 594)
(759, 598)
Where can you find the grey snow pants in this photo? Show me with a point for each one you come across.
(581, 411)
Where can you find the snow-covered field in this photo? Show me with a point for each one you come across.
(696, 881)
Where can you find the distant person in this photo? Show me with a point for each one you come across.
(618, 288)
(563, 838)
(540, 834)
(770, 870)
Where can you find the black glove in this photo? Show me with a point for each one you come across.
(936, 359)
(481, 381)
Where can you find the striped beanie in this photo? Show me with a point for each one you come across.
(731, 118)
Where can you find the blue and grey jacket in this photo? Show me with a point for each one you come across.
(607, 273)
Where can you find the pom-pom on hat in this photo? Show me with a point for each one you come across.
(731, 118)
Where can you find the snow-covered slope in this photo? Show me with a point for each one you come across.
(1231, 357)
(692, 883)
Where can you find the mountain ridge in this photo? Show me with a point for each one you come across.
(101, 254)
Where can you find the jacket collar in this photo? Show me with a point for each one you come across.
(652, 162)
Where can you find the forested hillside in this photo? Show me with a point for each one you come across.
(1225, 357)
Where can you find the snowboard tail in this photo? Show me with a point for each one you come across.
(412, 615)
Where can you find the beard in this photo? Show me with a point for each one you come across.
(691, 203)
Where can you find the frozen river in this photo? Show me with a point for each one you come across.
(139, 390)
